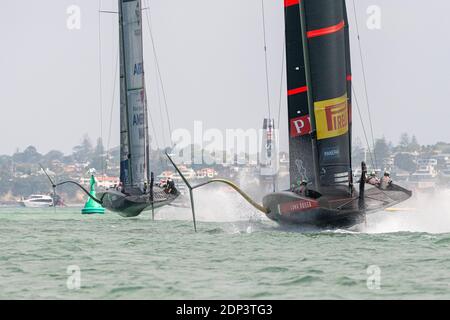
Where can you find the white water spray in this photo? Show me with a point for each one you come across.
(215, 204)
(425, 213)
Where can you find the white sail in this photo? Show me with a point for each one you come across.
(134, 131)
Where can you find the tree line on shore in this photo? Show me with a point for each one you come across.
(404, 154)
(20, 173)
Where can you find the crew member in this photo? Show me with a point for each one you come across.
(386, 181)
(301, 188)
(170, 188)
(372, 179)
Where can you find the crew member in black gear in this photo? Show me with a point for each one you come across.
(170, 188)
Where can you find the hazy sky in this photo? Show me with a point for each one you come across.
(212, 63)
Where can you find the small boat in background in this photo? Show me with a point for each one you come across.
(37, 201)
(444, 177)
(425, 179)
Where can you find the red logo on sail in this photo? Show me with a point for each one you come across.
(296, 206)
(300, 126)
(337, 117)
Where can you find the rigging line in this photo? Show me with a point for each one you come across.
(152, 123)
(158, 145)
(283, 65)
(283, 61)
(355, 97)
(146, 138)
(158, 79)
(265, 56)
(149, 114)
(160, 108)
(153, 126)
(100, 77)
(112, 103)
(154, 132)
(364, 79)
(113, 100)
(159, 73)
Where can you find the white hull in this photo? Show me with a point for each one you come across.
(37, 201)
(36, 205)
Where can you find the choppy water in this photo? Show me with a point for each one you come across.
(248, 259)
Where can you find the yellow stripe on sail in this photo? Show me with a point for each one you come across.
(331, 117)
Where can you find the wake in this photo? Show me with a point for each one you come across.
(428, 213)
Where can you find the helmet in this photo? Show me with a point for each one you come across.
(373, 174)
(387, 173)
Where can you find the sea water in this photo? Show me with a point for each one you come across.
(236, 254)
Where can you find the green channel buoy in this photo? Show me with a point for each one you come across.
(92, 207)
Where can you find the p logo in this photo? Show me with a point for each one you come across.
(300, 126)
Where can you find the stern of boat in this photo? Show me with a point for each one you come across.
(290, 208)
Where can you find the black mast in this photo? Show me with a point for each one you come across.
(348, 64)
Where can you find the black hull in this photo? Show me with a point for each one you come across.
(322, 218)
(129, 206)
(330, 212)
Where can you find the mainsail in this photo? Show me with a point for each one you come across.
(300, 143)
(318, 68)
(134, 138)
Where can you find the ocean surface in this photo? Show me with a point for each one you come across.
(236, 254)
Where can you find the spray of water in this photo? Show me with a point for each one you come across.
(428, 213)
(224, 205)
(215, 204)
